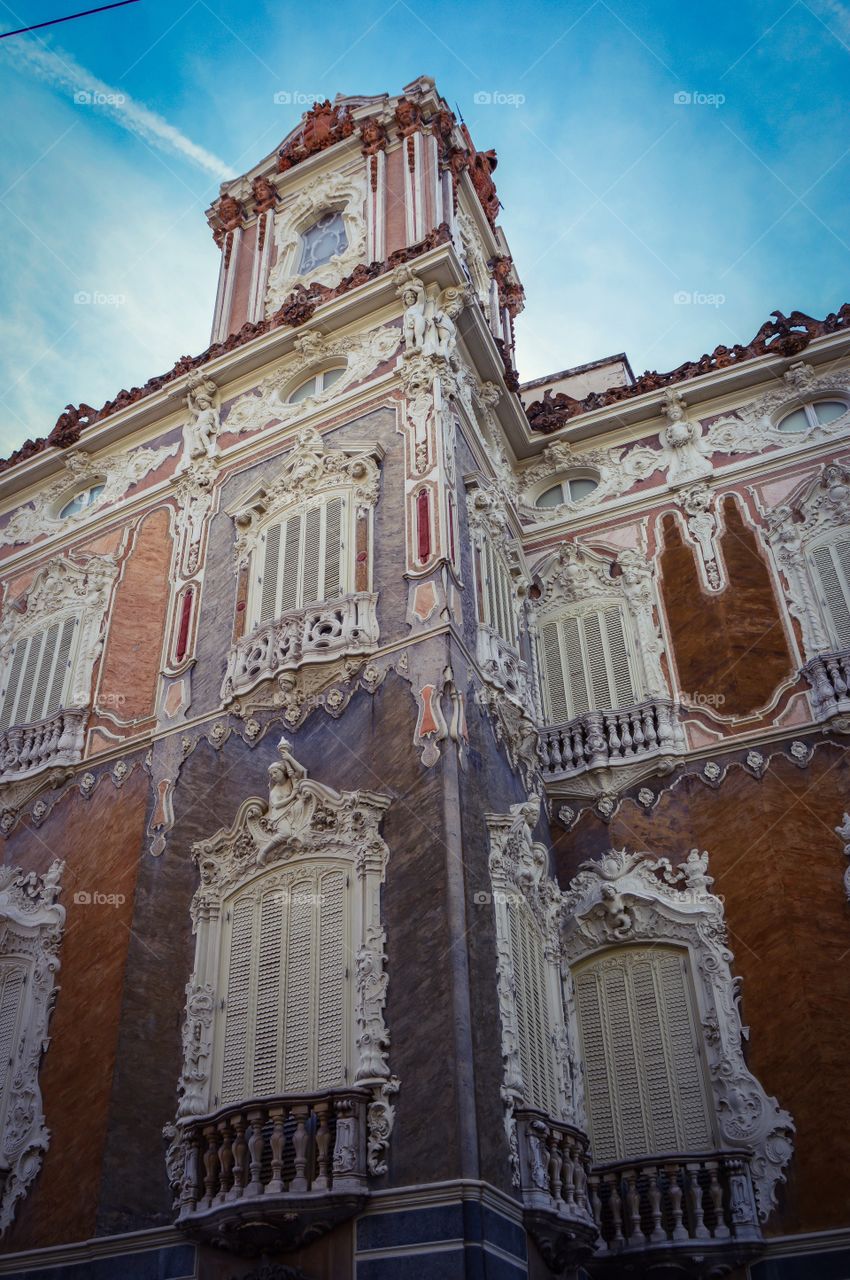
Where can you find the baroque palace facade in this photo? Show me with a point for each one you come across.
(424, 796)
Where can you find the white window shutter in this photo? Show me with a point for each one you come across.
(237, 1000)
(621, 676)
(267, 1016)
(554, 673)
(13, 977)
(291, 572)
(645, 1083)
(312, 556)
(61, 668)
(586, 664)
(298, 1005)
(333, 550)
(13, 684)
(332, 950)
(534, 1026)
(270, 574)
(832, 566)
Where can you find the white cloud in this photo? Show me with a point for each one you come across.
(61, 71)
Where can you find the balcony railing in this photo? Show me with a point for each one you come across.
(554, 1184)
(25, 749)
(605, 739)
(829, 676)
(271, 1173)
(337, 629)
(697, 1210)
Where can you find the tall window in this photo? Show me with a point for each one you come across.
(38, 674)
(497, 593)
(13, 986)
(534, 1022)
(303, 559)
(644, 1079)
(586, 663)
(831, 565)
(286, 983)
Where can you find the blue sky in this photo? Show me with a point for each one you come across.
(619, 197)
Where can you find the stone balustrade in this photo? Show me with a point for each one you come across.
(610, 738)
(554, 1183)
(271, 1172)
(337, 629)
(700, 1205)
(829, 676)
(25, 749)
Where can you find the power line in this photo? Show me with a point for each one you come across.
(53, 21)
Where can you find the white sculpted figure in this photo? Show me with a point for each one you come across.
(201, 433)
(427, 326)
(683, 443)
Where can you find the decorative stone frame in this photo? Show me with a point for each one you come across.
(575, 580)
(31, 927)
(811, 517)
(754, 427)
(65, 588)
(634, 898)
(340, 192)
(518, 867)
(302, 821)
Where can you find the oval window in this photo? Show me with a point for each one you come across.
(316, 384)
(570, 489)
(81, 501)
(323, 241)
(819, 413)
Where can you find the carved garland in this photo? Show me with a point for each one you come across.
(345, 193)
(631, 897)
(31, 927)
(301, 821)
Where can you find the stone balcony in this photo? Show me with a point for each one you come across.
(27, 749)
(554, 1185)
(342, 628)
(691, 1215)
(273, 1173)
(629, 736)
(829, 676)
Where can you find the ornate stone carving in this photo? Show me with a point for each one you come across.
(345, 192)
(696, 502)
(843, 832)
(31, 926)
(751, 429)
(362, 354)
(687, 454)
(632, 897)
(301, 819)
(323, 125)
(428, 324)
(117, 473)
(200, 434)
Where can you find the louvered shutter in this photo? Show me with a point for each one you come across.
(289, 593)
(297, 1012)
(497, 594)
(333, 549)
(832, 567)
(310, 589)
(38, 675)
(61, 667)
(267, 1019)
(586, 664)
(644, 1079)
(303, 560)
(534, 1027)
(270, 574)
(13, 977)
(330, 1046)
(237, 1000)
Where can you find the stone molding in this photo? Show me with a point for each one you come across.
(633, 897)
(31, 927)
(342, 192)
(302, 820)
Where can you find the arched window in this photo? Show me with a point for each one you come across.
(587, 662)
(322, 241)
(285, 979)
(303, 558)
(830, 564)
(641, 1047)
(817, 413)
(569, 489)
(316, 384)
(81, 501)
(38, 674)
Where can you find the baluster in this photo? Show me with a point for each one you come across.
(240, 1155)
(638, 742)
(568, 1176)
(596, 1210)
(255, 1151)
(277, 1115)
(191, 1183)
(554, 747)
(650, 737)
(323, 1143)
(581, 1180)
(299, 1143)
(210, 1164)
(626, 740)
(675, 1192)
(225, 1161)
(577, 734)
(636, 1237)
(612, 737)
(836, 676)
(658, 1234)
(556, 1165)
(616, 1206)
(699, 1230)
(715, 1191)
